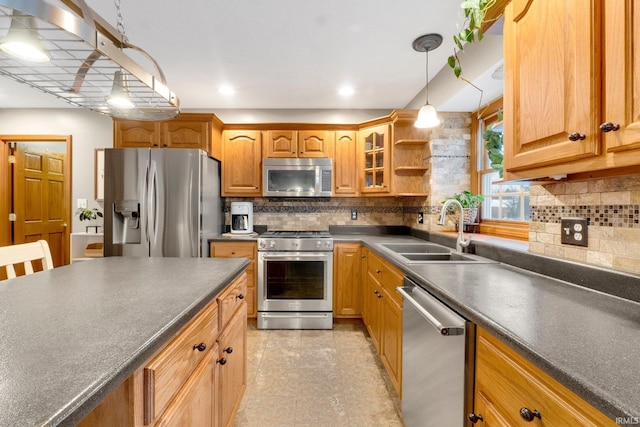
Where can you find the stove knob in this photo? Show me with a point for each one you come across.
(294, 244)
(272, 244)
(262, 245)
(318, 244)
(328, 244)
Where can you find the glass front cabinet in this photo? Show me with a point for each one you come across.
(374, 177)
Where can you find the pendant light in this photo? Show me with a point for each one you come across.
(22, 40)
(120, 96)
(427, 116)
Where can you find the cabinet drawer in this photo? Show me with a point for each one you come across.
(511, 383)
(233, 250)
(170, 369)
(231, 299)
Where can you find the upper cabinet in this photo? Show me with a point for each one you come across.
(344, 164)
(293, 143)
(374, 155)
(200, 131)
(242, 163)
(569, 103)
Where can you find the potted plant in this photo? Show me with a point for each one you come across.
(85, 214)
(470, 203)
(493, 145)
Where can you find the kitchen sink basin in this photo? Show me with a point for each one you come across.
(437, 257)
(416, 248)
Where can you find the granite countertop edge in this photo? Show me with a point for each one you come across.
(589, 391)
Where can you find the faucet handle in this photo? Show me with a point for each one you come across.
(465, 242)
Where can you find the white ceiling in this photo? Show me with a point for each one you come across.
(281, 54)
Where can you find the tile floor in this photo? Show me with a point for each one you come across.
(311, 378)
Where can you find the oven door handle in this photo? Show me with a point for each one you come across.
(296, 315)
(294, 256)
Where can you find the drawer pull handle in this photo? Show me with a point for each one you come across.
(529, 415)
(575, 136)
(608, 127)
(221, 361)
(474, 418)
(228, 350)
(240, 296)
(200, 347)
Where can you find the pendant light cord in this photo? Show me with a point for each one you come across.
(427, 75)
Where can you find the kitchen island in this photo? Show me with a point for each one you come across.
(71, 335)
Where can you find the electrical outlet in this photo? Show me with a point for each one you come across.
(354, 214)
(574, 231)
(420, 217)
(82, 203)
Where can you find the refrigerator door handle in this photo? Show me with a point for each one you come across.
(152, 211)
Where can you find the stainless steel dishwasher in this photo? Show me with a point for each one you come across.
(433, 360)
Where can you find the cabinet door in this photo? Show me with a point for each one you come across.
(281, 143)
(347, 290)
(622, 77)
(194, 406)
(180, 133)
(136, 134)
(552, 82)
(490, 416)
(315, 143)
(345, 164)
(374, 149)
(242, 163)
(372, 309)
(233, 372)
(391, 331)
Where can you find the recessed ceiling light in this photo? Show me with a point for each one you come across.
(227, 90)
(346, 91)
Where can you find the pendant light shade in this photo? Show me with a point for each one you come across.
(120, 96)
(427, 116)
(22, 40)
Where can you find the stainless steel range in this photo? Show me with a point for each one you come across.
(295, 280)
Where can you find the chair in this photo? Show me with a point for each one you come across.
(24, 254)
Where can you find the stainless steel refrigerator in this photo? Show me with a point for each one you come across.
(160, 202)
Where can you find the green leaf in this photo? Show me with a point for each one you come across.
(480, 35)
(451, 61)
(457, 71)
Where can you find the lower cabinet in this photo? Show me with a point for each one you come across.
(511, 391)
(382, 314)
(197, 379)
(347, 283)
(241, 250)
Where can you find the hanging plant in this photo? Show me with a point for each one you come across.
(493, 145)
(474, 12)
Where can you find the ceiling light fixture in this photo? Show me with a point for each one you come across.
(120, 96)
(427, 116)
(226, 90)
(22, 40)
(346, 91)
(88, 60)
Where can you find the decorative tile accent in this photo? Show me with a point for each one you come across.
(627, 216)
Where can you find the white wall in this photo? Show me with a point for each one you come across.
(88, 131)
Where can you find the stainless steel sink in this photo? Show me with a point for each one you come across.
(437, 257)
(416, 248)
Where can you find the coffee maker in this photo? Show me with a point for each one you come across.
(241, 217)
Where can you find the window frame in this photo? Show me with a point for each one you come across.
(493, 227)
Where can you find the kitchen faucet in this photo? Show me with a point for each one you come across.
(461, 243)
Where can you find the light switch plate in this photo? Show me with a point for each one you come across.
(574, 231)
(81, 203)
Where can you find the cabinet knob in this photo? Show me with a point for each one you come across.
(575, 136)
(378, 271)
(240, 296)
(233, 252)
(608, 127)
(475, 418)
(529, 415)
(228, 350)
(200, 347)
(221, 361)
(362, 256)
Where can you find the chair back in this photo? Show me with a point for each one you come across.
(24, 254)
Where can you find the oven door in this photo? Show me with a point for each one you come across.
(295, 281)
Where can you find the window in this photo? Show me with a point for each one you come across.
(505, 211)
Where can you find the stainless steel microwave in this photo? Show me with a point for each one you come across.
(297, 177)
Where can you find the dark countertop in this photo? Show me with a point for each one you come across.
(71, 335)
(585, 339)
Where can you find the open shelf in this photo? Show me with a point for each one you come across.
(411, 141)
(411, 170)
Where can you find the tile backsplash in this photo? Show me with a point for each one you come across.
(612, 208)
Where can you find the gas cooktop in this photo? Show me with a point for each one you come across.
(288, 234)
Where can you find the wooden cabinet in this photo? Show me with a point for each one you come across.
(383, 314)
(189, 130)
(197, 379)
(507, 384)
(410, 151)
(347, 286)
(235, 249)
(553, 125)
(374, 155)
(232, 344)
(242, 163)
(345, 164)
(302, 143)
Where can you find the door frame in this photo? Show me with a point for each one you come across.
(6, 188)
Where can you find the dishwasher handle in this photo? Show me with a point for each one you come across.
(444, 330)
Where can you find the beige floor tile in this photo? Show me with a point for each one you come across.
(321, 411)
